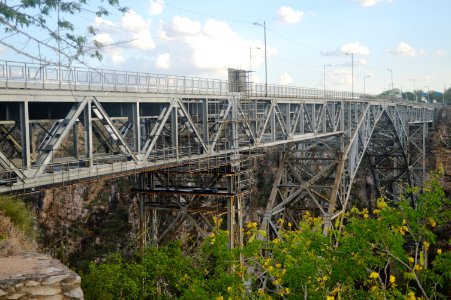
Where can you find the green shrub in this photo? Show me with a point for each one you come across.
(18, 213)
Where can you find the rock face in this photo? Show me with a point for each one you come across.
(37, 276)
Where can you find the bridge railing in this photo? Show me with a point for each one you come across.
(55, 77)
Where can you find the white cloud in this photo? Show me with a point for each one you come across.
(339, 76)
(156, 7)
(441, 53)
(369, 3)
(183, 25)
(404, 49)
(140, 30)
(360, 62)
(104, 38)
(163, 61)
(117, 57)
(288, 15)
(131, 32)
(356, 48)
(285, 79)
(212, 47)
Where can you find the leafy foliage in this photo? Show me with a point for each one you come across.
(64, 41)
(391, 254)
(16, 211)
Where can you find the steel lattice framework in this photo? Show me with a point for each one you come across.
(64, 125)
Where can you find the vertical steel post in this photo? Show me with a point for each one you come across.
(88, 133)
(75, 140)
(136, 119)
(174, 131)
(25, 136)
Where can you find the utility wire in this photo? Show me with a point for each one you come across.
(207, 15)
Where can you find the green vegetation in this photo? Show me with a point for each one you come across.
(393, 253)
(16, 211)
(16, 227)
(420, 95)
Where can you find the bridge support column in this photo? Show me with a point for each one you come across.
(87, 123)
(25, 136)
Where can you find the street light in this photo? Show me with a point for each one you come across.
(266, 60)
(352, 73)
(325, 78)
(364, 84)
(414, 93)
(391, 72)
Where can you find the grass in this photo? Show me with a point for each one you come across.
(18, 213)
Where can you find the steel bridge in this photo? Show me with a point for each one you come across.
(193, 139)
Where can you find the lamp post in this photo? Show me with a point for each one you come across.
(391, 73)
(324, 81)
(266, 60)
(414, 93)
(352, 73)
(364, 84)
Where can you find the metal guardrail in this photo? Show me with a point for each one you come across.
(54, 77)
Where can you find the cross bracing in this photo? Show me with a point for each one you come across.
(59, 126)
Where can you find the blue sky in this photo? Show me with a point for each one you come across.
(204, 38)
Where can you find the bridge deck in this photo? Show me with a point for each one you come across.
(61, 125)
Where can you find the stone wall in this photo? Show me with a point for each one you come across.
(37, 276)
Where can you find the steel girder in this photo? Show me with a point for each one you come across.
(100, 135)
(181, 202)
(317, 175)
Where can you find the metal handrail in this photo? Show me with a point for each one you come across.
(44, 76)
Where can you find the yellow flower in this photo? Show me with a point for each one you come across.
(278, 266)
(270, 268)
(417, 267)
(260, 292)
(229, 289)
(411, 260)
(365, 216)
(374, 275)
(377, 211)
(426, 245)
(276, 241)
(439, 251)
(287, 291)
(281, 221)
(432, 222)
(392, 279)
(411, 296)
(252, 225)
(335, 290)
(289, 224)
(330, 298)
(219, 298)
(381, 204)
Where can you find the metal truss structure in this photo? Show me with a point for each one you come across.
(59, 126)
